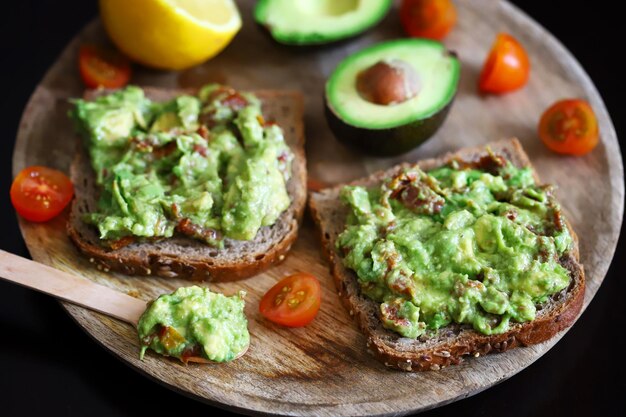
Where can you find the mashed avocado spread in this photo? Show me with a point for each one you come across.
(466, 243)
(207, 167)
(195, 322)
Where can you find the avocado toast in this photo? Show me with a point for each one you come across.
(182, 255)
(392, 96)
(440, 341)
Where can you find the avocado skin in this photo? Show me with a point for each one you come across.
(387, 142)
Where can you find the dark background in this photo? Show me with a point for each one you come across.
(49, 366)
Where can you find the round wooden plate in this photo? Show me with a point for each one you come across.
(324, 369)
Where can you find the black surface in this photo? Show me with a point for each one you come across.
(49, 366)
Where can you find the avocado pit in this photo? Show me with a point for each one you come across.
(388, 82)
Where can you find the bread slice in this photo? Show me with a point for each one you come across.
(450, 344)
(189, 258)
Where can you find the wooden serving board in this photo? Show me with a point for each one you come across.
(324, 369)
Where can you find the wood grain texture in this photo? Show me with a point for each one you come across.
(325, 369)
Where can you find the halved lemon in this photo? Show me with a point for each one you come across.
(170, 34)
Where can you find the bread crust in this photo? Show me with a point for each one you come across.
(452, 343)
(144, 259)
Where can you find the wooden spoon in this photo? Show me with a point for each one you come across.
(76, 290)
(72, 288)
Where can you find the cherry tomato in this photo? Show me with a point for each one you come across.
(507, 67)
(39, 193)
(569, 127)
(100, 67)
(292, 302)
(427, 18)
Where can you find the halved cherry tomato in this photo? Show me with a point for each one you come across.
(427, 18)
(507, 67)
(569, 127)
(39, 193)
(100, 67)
(293, 302)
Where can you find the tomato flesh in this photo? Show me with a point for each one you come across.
(292, 302)
(569, 127)
(39, 193)
(100, 67)
(507, 67)
(428, 18)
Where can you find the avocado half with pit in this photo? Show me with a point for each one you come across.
(390, 97)
(311, 22)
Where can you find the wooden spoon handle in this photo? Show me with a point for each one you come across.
(70, 287)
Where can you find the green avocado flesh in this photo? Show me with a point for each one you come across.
(437, 69)
(195, 322)
(477, 244)
(304, 22)
(207, 167)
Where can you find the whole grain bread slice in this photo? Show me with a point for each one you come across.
(448, 345)
(186, 257)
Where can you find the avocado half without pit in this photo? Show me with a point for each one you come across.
(390, 97)
(313, 22)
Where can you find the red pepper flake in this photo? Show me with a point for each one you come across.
(222, 90)
(490, 163)
(401, 283)
(202, 150)
(475, 284)
(165, 150)
(391, 313)
(192, 351)
(559, 222)
(283, 157)
(161, 331)
(511, 214)
(175, 209)
(203, 131)
(209, 119)
(235, 101)
(416, 194)
(121, 242)
(141, 145)
(187, 227)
